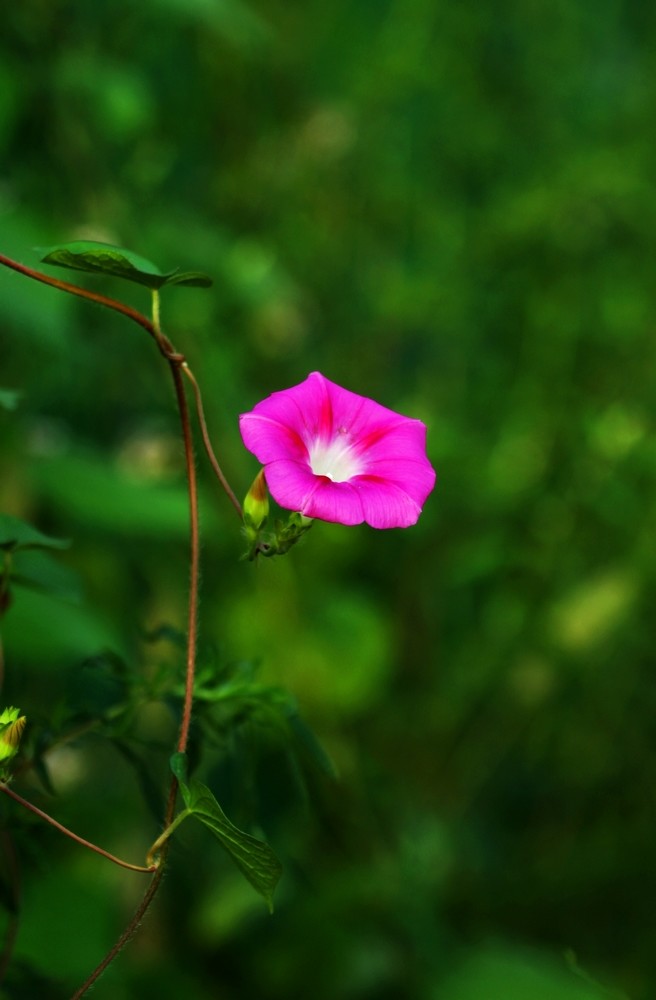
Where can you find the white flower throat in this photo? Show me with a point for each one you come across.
(336, 459)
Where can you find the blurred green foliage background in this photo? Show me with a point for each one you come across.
(449, 208)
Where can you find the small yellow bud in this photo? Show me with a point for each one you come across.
(12, 724)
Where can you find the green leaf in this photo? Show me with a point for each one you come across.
(36, 568)
(103, 258)
(255, 859)
(16, 534)
(9, 399)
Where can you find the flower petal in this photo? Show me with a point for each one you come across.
(291, 484)
(340, 503)
(414, 476)
(387, 504)
(270, 440)
(379, 455)
(305, 409)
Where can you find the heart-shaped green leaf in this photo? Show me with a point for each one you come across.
(103, 258)
(255, 859)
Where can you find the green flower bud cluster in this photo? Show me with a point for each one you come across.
(262, 542)
(12, 724)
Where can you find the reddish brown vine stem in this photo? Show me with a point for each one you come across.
(194, 565)
(208, 444)
(164, 344)
(83, 293)
(124, 939)
(69, 833)
(177, 364)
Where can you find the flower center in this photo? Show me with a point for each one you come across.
(335, 459)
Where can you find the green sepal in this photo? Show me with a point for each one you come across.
(103, 258)
(255, 859)
(279, 541)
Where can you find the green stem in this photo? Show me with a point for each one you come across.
(156, 848)
(155, 311)
(69, 833)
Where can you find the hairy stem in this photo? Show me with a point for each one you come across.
(176, 363)
(153, 328)
(129, 931)
(194, 558)
(69, 833)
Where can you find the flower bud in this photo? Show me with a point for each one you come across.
(256, 504)
(288, 534)
(12, 724)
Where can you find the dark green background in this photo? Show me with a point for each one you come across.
(448, 207)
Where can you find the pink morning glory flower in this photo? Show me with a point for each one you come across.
(331, 454)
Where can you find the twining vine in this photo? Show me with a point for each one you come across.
(326, 453)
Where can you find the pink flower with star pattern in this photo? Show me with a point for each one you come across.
(331, 454)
